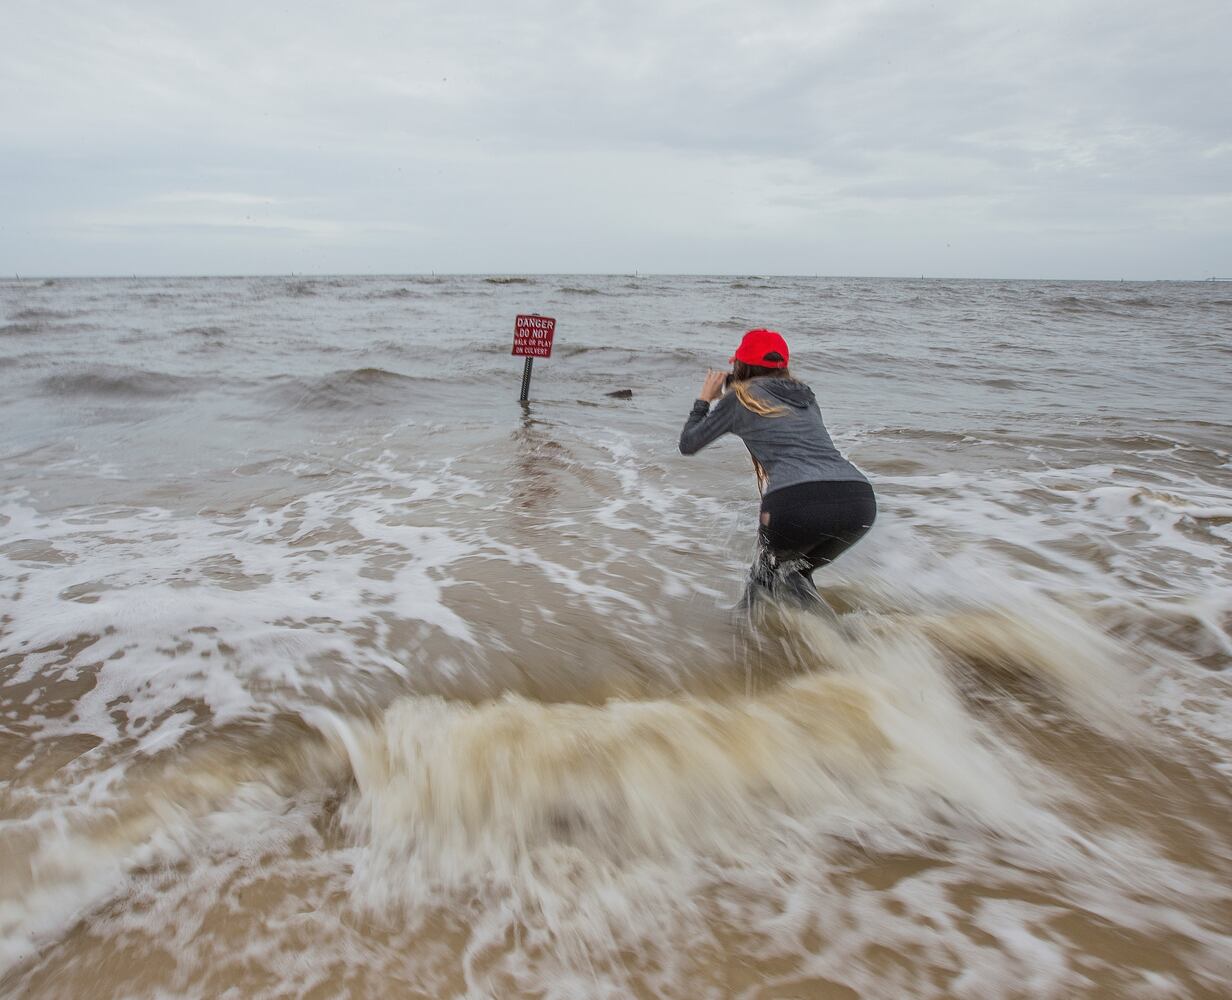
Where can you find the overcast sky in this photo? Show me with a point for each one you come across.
(1025, 139)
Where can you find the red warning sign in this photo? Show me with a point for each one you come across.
(532, 336)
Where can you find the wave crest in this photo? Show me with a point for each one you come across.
(118, 383)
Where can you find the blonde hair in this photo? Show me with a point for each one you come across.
(752, 403)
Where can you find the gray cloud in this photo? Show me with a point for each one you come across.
(968, 138)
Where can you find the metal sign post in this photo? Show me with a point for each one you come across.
(532, 338)
(526, 378)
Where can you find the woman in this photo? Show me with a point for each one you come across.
(815, 504)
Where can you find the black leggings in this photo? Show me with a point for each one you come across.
(812, 524)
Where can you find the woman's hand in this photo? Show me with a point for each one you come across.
(712, 388)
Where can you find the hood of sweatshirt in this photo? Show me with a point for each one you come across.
(786, 390)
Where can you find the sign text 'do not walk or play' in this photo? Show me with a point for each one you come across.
(532, 336)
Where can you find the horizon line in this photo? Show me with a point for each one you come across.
(586, 274)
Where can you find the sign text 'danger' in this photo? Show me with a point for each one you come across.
(532, 336)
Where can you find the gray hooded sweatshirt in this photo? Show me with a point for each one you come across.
(792, 447)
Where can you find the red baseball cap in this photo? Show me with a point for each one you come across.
(756, 344)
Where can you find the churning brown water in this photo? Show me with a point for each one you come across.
(328, 670)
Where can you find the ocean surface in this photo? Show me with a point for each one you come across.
(329, 669)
